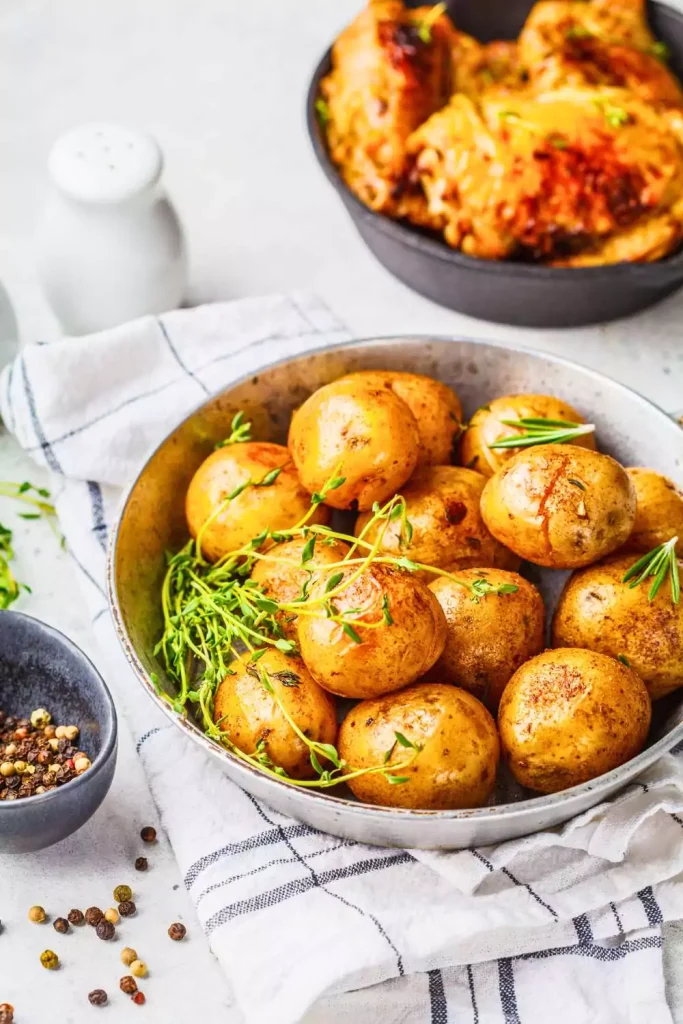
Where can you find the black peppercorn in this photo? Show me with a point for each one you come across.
(141, 864)
(98, 997)
(93, 916)
(61, 925)
(76, 917)
(177, 931)
(127, 908)
(148, 834)
(128, 985)
(105, 930)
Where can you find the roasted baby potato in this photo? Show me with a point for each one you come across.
(436, 409)
(249, 714)
(559, 505)
(659, 511)
(448, 532)
(489, 634)
(487, 426)
(395, 636)
(600, 612)
(360, 431)
(282, 574)
(232, 523)
(456, 767)
(570, 715)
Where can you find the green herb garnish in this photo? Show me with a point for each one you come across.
(240, 431)
(661, 51)
(538, 430)
(424, 27)
(657, 565)
(323, 111)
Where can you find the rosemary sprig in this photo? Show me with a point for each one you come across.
(538, 430)
(424, 26)
(657, 565)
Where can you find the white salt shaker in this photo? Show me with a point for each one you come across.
(111, 247)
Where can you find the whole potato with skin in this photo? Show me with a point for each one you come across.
(436, 408)
(443, 508)
(600, 612)
(356, 430)
(570, 715)
(489, 637)
(245, 710)
(659, 511)
(282, 580)
(560, 506)
(277, 506)
(407, 636)
(487, 427)
(457, 765)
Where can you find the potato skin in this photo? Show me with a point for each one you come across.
(489, 639)
(599, 612)
(360, 431)
(277, 506)
(390, 656)
(443, 507)
(570, 715)
(436, 408)
(560, 506)
(457, 765)
(486, 426)
(283, 583)
(252, 714)
(659, 511)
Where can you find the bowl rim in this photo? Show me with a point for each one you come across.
(518, 809)
(109, 727)
(408, 235)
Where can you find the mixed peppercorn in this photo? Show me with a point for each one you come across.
(37, 756)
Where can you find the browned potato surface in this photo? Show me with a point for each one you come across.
(598, 611)
(487, 427)
(276, 506)
(390, 655)
(245, 710)
(282, 575)
(443, 507)
(436, 409)
(570, 715)
(659, 511)
(456, 767)
(488, 638)
(560, 506)
(356, 430)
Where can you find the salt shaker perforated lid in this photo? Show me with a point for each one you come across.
(111, 246)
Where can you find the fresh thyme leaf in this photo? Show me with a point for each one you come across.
(330, 752)
(396, 780)
(336, 483)
(266, 683)
(616, 117)
(538, 430)
(385, 611)
(239, 432)
(269, 478)
(287, 646)
(334, 581)
(661, 51)
(256, 542)
(389, 752)
(256, 655)
(657, 565)
(576, 483)
(30, 515)
(424, 26)
(624, 660)
(507, 588)
(350, 631)
(400, 738)
(406, 563)
(309, 548)
(318, 768)
(323, 111)
(26, 486)
(266, 605)
(238, 490)
(396, 512)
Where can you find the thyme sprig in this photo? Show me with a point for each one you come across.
(539, 430)
(425, 25)
(36, 500)
(657, 565)
(240, 431)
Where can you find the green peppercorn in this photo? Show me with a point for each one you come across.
(123, 893)
(49, 960)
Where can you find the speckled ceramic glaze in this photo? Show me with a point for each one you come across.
(39, 667)
(628, 427)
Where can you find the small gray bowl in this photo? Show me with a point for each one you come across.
(40, 667)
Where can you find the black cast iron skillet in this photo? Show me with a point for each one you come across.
(523, 294)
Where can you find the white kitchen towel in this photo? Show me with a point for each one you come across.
(562, 926)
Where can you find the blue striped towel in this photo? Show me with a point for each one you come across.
(562, 926)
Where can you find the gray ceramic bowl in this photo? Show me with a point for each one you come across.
(40, 667)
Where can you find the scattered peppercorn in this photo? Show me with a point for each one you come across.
(139, 969)
(177, 931)
(105, 930)
(127, 909)
(37, 915)
(93, 916)
(76, 917)
(128, 985)
(148, 834)
(49, 960)
(98, 997)
(123, 893)
(61, 925)
(138, 998)
(128, 956)
(6, 1013)
(141, 864)
(111, 915)
(36, 756)
(40, 718)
